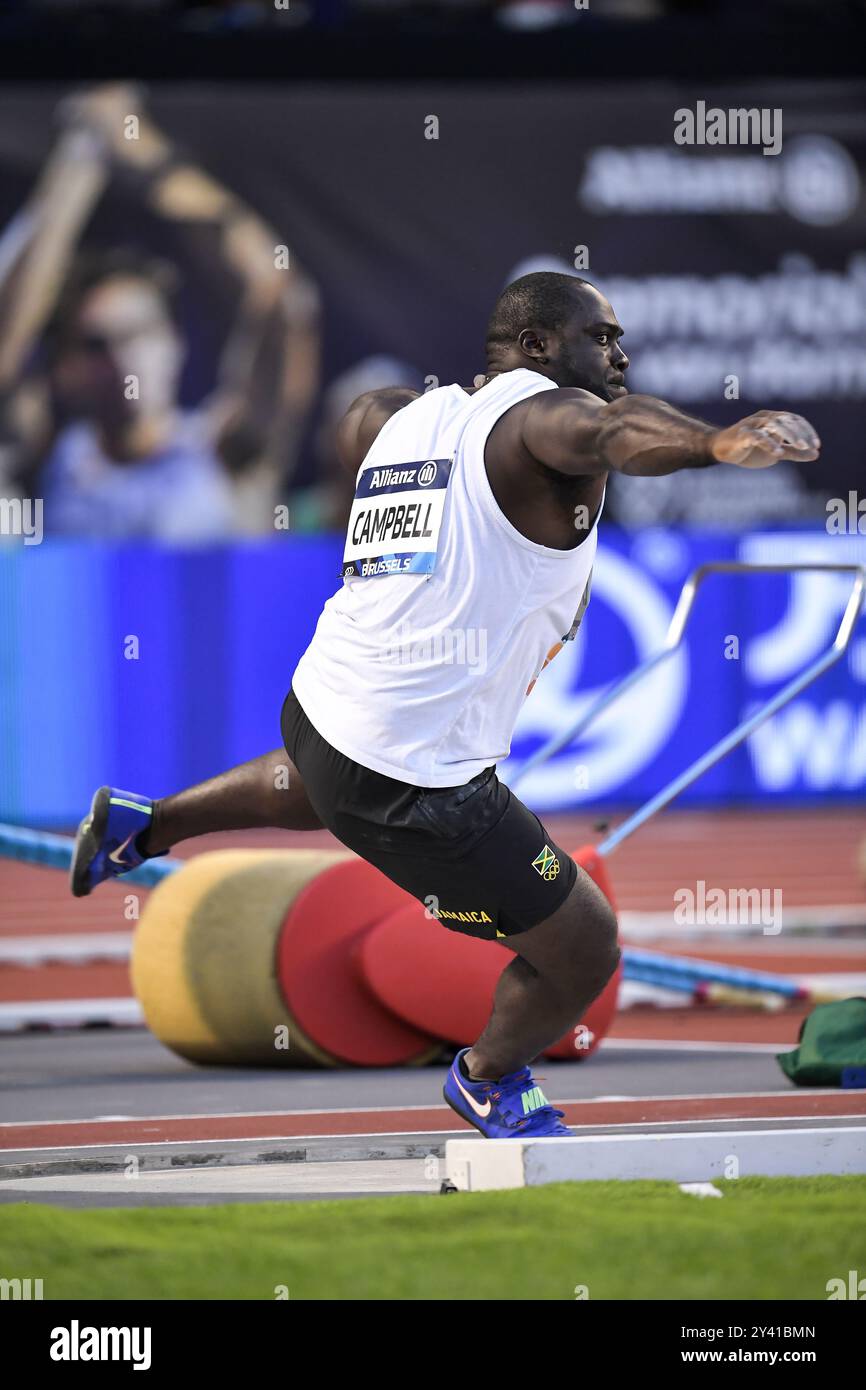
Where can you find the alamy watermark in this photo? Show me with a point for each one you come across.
(731, 907)
(22, 516)
(846, 516)
(737, 126)
(77, 1343)
(459, 646)
(20, 1289)
(854, 1287)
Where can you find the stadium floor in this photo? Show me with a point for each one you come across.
(84, 1108)
(133, 1125)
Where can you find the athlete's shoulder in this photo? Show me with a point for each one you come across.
(554, 407)
(365, 418)
(545, 429)
(383, 398)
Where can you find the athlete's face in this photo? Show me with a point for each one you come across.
(587, 351)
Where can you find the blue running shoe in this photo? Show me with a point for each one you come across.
(511, 1108)
(105, 845)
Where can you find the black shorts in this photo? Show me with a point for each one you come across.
(477, 858)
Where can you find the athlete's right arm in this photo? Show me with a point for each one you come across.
(571, 431)
(363, 421)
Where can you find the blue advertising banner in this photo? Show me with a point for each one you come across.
(152, 669)
(747, 637)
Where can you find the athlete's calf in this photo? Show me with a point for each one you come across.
(560, 966)
(266, 793)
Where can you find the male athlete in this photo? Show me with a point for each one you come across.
(473, 529)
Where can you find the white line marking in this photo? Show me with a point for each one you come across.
(422, 1134)
(70, 950)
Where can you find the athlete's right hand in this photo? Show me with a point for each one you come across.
(764, 438)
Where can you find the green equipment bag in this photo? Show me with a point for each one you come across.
(832, 1049)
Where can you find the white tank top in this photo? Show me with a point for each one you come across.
(421, 661)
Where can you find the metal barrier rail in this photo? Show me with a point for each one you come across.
(673, 640)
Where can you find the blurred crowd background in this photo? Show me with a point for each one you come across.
(195, 282)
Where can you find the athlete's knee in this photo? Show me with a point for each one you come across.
(607, 934)
(611, 960)
(602, 944)
(589, 941)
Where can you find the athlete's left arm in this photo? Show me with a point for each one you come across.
(573, 432)
(363, 420)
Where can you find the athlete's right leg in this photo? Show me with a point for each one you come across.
(124, 828)
(560, 967)
(266, 793)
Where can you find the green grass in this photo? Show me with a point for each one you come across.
(768, 1238)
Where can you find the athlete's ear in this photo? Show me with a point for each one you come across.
(531, 344)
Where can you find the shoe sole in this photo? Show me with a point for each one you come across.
(87, 842)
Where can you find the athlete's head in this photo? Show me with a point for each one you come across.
(560, 326)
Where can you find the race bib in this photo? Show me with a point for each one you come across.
(396, 520)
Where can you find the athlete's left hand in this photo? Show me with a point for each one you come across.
(762, 439)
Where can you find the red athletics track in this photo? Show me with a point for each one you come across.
(420, 1120)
